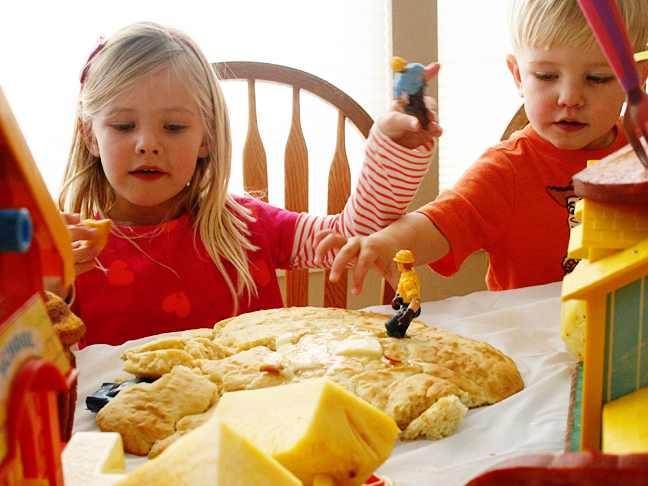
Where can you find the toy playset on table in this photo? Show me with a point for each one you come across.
(34, 244)
(34, 368)
(613, 238)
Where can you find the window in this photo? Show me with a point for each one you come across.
(43, 49)
(477, 97)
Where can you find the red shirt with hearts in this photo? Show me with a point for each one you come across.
(171, 284)
(161, 278)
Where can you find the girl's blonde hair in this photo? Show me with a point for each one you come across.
(554, 23)
(129, 56)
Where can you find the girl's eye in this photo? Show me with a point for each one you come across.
(546, 76)
(174, 128)
(123, 127)
(600, 79)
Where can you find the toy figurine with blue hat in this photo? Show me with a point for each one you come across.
(410, 81)
(407, 300)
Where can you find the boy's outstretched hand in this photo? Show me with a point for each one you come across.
(405, 129)
(413, 231)
(364, 251)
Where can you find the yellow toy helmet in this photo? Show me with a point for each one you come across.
(404, 256)
(398, 64)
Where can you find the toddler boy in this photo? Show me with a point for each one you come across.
(516, 201)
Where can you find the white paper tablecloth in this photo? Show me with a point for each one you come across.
(524, 324)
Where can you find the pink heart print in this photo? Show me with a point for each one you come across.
(119, 275)
(177, 303)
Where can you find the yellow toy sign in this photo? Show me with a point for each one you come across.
(29, 333)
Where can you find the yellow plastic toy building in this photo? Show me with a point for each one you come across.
(34, 244)
(613, 237)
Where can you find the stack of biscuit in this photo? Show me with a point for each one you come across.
(69, 329)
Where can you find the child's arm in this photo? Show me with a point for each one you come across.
(390, 176)
(397, 156)
(413, 231)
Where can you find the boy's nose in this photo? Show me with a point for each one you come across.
(571, 95)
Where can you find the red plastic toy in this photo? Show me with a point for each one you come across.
(34, 244)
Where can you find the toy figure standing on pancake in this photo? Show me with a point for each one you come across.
(409, 87)
(407, 300)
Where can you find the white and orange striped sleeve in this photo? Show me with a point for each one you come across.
(388, 181)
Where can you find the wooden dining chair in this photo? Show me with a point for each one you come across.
(518, 122)
(255, 170)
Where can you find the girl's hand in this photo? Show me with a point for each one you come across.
(83, 252)
(405, 129)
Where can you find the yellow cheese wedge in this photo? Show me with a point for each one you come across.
(573, 315)
(572, 325)
(93, 459)
(313, 428)
(103, 226)
(214, 455)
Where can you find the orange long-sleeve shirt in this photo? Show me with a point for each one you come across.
(516, 202)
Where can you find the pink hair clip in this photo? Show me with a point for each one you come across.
(98, 46)
(180, 38)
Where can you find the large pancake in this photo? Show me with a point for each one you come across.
(405, 378)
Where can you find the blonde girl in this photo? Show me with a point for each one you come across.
(152, 151)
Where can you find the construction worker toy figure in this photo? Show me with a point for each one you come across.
(407, 300)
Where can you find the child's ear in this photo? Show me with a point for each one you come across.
(514, 67)
(88, 138)
(203, 151)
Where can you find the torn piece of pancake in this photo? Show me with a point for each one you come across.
(144, 413)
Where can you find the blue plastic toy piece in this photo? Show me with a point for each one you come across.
(409, 88)
(409, 81)
(15, 230)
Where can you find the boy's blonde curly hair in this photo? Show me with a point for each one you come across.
(554, 23)
(129, 56)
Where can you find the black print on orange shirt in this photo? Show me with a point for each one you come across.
(566, 197)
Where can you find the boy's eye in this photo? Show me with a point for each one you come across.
(600, 79)
(546, 76)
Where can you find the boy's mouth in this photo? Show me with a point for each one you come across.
(570, 125)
